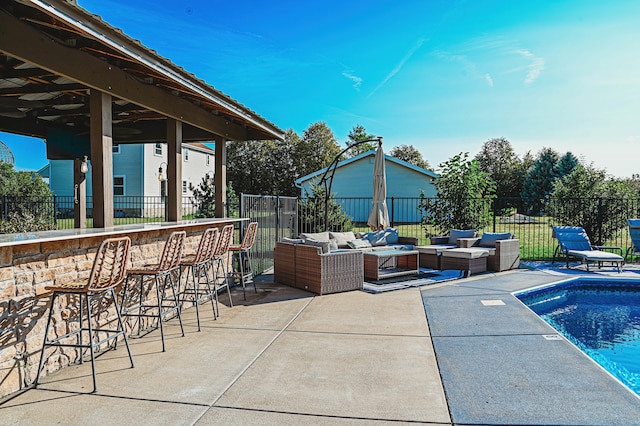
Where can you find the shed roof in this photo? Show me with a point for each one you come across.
(345, 163)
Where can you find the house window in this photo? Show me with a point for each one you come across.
(118, 185)
(115, 148)
(186, 154)
(158, 149)
(208, 159)
(184, 186)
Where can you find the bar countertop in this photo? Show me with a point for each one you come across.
(9, 240)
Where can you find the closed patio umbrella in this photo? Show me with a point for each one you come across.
(379, 216)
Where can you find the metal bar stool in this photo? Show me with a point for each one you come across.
(109, 270)
(219, 260)
(197, 265)
(241, 252)
(165, 276)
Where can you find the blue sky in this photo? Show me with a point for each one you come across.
(444, 76)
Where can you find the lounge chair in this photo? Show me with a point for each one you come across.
(634, 233)
(573, 241)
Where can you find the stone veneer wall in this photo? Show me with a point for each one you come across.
(25, 271)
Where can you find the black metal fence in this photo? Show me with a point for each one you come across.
(57, 212)
(277, 218)
(604, 219)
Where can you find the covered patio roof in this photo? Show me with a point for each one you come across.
(69, 77)
(52, 53)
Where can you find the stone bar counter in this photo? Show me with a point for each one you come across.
(30, 261)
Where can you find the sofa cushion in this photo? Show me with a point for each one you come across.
(489, 238)
(342, 238)
(292, 240)
(466, 253)
(320, 236)
(324, 245)
(358, 244)
(333, 244)
(461, 233)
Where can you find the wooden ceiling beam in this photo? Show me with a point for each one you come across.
(20, 40)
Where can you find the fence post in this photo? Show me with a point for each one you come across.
(392, 211)
(495, 213)
(600, 242)
(55, 211)
(277, 218)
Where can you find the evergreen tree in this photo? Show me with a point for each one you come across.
(357, 134)
(539, 181)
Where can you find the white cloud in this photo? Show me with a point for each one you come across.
(357, 81)
(398, 67)
(535, 67)
(489, 80)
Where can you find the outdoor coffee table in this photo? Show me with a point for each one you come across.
(383, 264)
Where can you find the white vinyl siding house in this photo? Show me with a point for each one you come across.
(135, 172)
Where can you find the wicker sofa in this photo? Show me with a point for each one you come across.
(306, 265)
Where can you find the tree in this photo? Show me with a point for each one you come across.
(566, 165)
(205, 196)
(539, 181)
(312, 209)
(411, 155)
(357, 134)
(587, 197)
(247, 166)
(464, 193)
(498, 159)
(316, 150)
(27, 200)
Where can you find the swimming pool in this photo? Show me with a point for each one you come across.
(600, 316)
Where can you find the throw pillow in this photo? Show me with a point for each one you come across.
(320, 236)
(391, 235)
(324, 245)
(333, 244)
(358, 244)
(461, 233)
(489, 238)
(377, 238)
(342, 238)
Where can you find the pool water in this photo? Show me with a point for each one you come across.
(600, 316)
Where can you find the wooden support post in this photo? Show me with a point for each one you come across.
(79, 195)
(101, 159)
(221, 177)
(174, 172)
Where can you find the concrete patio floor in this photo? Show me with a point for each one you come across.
(287, 357)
